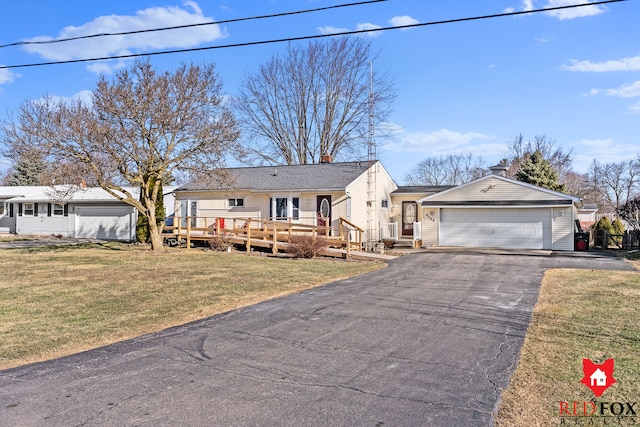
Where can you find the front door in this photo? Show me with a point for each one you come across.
(409, 216)
(323, 211)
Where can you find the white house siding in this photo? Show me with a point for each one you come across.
(370, 217)
(430, 226)
(563, 226)
(41, 223)
(493, 189)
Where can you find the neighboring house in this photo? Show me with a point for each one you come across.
(587, 215)
(70, 211)
(498, 212)
(7, 216)
(316, 194)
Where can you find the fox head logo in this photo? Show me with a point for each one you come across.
(598, 377)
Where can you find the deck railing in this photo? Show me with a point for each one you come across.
(263, 233)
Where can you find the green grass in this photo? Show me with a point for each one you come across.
(57, 301)
(580, 314)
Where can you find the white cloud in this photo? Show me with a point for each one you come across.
(624, 64)
(629, 90)
(573, 13)
(562, 14)
(399, 21)
(154, 17)
(545, 38)
(6, 76)
(441, 142)
(327, 29)
(368, 26)
(634, 108)
(605, 150)
(84, 96)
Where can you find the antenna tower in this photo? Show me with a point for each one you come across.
(371, 171)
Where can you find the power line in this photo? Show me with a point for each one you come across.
(227, 21)
(312, 37)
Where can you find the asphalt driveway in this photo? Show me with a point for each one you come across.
(429, 341)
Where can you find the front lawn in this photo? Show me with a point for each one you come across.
(580, 314)
(57, 301)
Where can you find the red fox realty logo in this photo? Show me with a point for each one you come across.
(598, 377)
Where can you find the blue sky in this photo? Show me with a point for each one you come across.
(467, 87)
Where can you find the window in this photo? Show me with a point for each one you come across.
(29, 209)
(236, 203)
(385, 203)
(193, 212)
(283, 208)
(295, 214)
(58, 209)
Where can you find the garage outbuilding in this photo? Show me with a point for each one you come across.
(498, 212)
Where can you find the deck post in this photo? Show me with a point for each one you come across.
(348, 246)
(249, 235)
(275, 239)
(188, 232)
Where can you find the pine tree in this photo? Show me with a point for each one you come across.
(538, 171)
(27, 171)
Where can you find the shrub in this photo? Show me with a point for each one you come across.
(217, 243)
(617, 228)
(307, 246)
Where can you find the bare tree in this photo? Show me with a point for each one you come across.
(594, 190)
(620, 180)
(141, 128)
(453, 169)
(312, 101)
(520, 150)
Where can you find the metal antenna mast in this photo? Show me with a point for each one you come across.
(371, 171)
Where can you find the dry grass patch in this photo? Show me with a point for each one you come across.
(580, 314)
(59, 301)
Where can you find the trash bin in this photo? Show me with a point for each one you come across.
(581, 241)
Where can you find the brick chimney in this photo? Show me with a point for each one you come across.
(326, 158)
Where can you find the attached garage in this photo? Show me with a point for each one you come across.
(498, 212)
(496, 228)
(105, 222)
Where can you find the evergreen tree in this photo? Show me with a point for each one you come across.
(538, 171)
(26, 171)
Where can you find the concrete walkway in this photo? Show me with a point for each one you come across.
(429, 341)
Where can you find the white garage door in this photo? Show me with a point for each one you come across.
(496, 228)
(109, 223)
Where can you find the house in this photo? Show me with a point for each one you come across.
(598, 378)
(314, 194)
(498, 212)
(492, 211)
(587, 215)
(70, 211)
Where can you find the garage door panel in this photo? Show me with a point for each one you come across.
(104, 223)
(499, 228)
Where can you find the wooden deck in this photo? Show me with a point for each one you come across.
(273, 235)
